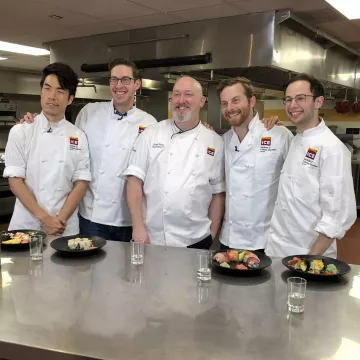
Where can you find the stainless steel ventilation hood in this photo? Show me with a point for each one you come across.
(265, 47)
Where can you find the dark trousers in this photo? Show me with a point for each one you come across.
(224, 247)
(108, 232)
(203, 244)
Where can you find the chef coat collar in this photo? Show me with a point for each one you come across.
(315, 130)
(177, 130)
(48, 126)
(119, 115)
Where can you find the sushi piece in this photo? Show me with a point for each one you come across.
(222, 257)
(249, 254)
(225, 265)
(331, 269)
(241, 255)
(252, 262)
(234, 255)
(316, 266)
(241, 267)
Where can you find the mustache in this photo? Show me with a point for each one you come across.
(229, 113)
(181, 105)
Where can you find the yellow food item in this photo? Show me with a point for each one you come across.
(12, 241)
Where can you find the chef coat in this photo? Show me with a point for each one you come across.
(111, 137)
(181, 171)
(316, 194)
(252, 171)
(50, 157)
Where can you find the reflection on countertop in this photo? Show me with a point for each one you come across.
(105, 308)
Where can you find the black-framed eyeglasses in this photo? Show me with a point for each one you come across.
(299, 99)
(125, 80)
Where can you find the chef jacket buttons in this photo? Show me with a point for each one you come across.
(58, 189)
(114, 201)
(61, 161)
(106, 145)
(281, 171)
(197, 155)
(102, 172)
(97, 198)
(118, 175)
(171, 153)
(230, 222)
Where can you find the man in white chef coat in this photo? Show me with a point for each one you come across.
(111, 129)
(254, 157)
(316, 202)
(176, 175)
(48, 163)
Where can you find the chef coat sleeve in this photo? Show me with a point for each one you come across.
(217, 181)
(337, 198)
(82, 171)
(287, 140)
(139, 157)
(80, 121)
(15, 158)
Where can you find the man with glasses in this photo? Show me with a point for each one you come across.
(316, 202)
(111, 129)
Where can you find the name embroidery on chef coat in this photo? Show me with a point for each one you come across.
(310, 157)
(211, 151)
(265, 144)
(74, 142)
(157, 145)
(141, 129)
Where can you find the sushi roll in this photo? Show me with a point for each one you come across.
(252, 262)
(249, 254)
(241, 267)
(234, 255)
(222, 257)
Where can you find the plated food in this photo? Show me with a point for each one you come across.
(239, 261)
(80, 244)
(316, 266)
(313, 266)
(18, 239)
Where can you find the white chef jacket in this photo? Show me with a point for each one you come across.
(181, 171)
(316, 194)
(252, 171)
(50, 157)
(110, 143)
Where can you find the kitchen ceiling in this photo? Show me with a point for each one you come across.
(28, 22)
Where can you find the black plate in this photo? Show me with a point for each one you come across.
(60, 245)
(4, 237)
(341, 266)
(265, 262)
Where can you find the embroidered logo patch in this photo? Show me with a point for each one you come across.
(266, 141)
(311, 153)
(74, 142)
(211, 151)
(141, 129)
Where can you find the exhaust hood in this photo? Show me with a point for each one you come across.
(267, 48)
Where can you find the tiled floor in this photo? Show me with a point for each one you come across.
(348, 247)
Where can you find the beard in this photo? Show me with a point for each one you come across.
(182, 118)
(242, 116)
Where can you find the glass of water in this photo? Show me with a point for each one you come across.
(296, 289)
(204, 266)
(36, 247)
(137, 252)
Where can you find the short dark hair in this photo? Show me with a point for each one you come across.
(316, 87)
(128, 63)
(246, 83)
(68, 80)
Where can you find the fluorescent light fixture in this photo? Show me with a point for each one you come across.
(22, 49)
(349, 8)
(3, 58)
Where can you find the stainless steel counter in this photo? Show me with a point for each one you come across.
(102, 308)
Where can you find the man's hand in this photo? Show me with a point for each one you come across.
(28, 118)
(271, 121)
(207, 125)
(140, 233)
(52, 225)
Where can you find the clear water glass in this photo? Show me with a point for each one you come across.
(137, 252)
(204, 265)
(36, 247)
(296, 290)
